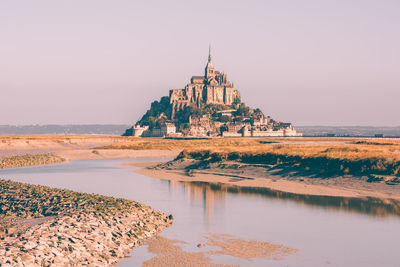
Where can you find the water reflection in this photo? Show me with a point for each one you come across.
(213, 195)
(211, 198)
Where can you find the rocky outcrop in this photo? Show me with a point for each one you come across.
(98, 231)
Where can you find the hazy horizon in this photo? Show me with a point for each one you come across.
(330, 63)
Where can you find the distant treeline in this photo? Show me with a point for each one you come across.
(83, 129)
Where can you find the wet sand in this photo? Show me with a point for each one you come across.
(75, 147)
(247, 249)
(168, 252)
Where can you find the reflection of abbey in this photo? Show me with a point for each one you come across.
(208, 106)
(212, 88)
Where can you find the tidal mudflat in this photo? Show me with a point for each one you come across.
(270, 176)
(323, 231)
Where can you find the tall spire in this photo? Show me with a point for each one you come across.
(209, 53)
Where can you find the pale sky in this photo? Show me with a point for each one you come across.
(310, 62)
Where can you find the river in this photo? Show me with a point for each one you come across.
(326, 231)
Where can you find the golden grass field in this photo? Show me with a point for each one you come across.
(340, 148)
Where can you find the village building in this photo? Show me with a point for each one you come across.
(167, 129)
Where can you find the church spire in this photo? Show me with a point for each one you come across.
(209, 67)
(209, 53)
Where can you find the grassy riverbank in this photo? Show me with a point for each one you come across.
(358, 158)
(41, 226)
(377, 159)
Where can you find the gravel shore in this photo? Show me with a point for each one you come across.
(74, 229)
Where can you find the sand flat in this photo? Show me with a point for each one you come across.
(169, 253)
(84, 154)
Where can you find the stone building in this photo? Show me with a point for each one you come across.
(139, 130)
(212, 88)
(165, 130)
(168, 129)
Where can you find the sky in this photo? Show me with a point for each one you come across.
(309, 62)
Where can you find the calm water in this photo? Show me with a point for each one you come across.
(327, 231)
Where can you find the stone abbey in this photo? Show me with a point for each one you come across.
(212, 88)
(207, 106)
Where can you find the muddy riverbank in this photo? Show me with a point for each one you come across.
(256, 175)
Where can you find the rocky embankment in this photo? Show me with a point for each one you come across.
(29, 160)
(42, 226)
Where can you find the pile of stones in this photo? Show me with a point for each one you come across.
(76, 229)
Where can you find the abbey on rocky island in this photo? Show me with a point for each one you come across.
(207, 106)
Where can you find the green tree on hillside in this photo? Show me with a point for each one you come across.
(153, 117)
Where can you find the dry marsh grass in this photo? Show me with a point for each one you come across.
(175, 144)
(340, 148)
(338, 151)
(211, 143)
(359, 159)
